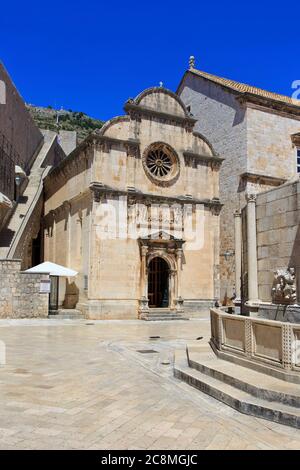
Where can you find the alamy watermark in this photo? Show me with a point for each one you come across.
(115, 219)
(296, 87)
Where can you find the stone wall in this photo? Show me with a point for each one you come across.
(20, 292)
(269, 145)
(278, 234)
(20, 138)
(223, 121)
(252, 139)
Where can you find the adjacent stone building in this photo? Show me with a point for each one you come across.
(256, 131)
(20, 140)
(135, 210)
(26, 155)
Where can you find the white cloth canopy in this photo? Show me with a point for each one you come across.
(19, 170)
(4, 201)
(53, 269)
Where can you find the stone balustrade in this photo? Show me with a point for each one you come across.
(272, 347)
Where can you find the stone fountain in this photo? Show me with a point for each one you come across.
(284, 305)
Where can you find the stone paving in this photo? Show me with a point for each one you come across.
(83, 385)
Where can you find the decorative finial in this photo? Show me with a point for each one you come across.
(192, 62)
(161, 84)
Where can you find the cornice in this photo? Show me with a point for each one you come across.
(296, 139)
(136, 111)
(268, 103)
(262, 179)
(100, 191)
(215, 161)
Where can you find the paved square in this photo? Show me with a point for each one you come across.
(84, 385)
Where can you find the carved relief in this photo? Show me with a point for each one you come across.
(284, 286)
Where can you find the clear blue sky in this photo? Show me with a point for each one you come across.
(92, 55)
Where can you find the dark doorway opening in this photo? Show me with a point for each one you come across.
(158, 283)
(54, 293)
(36, 250)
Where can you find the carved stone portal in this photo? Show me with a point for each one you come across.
(284, 286)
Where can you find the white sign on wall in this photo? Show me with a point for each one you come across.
(45, 286)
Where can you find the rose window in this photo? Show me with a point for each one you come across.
(161, 163)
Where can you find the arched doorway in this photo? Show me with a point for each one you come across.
(158, 283)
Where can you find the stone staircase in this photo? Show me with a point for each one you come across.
(162, 314)
(246, 390)
(11, 235)
(66, 313)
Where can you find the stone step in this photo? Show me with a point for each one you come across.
(162, 315)
(250, 381)
(63, 314)
(235, 398)
(164, 318)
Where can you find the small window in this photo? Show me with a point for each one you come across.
(298, 160)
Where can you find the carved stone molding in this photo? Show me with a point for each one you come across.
(250, 197)
(287, 345)
(215, 207)
(132, 149)
(296, 139)
(136, 112)
(97, 191)
(248, 337)
(257, 178)
(194, 159)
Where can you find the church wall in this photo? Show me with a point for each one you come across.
(115, 278)
(278, 235)
(120, 171)
(67, 239)
(80, 233)
(269, 145)
(251, 140)
(60, 188)
(200, 268)
(223, 121)
(161, 102)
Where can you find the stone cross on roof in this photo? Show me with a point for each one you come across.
(192, 62)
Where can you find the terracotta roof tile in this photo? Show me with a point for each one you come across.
(243, 88)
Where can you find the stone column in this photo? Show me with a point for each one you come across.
(172, 288)
(238, 254)
(252, 254)
(144, 283)
(179, 259)
(179, 302)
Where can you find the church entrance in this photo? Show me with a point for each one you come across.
(158, 283)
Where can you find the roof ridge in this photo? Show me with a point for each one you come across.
(246, 88)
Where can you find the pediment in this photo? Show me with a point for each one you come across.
(161, 235)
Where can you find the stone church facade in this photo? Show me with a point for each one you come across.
(135, 210)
